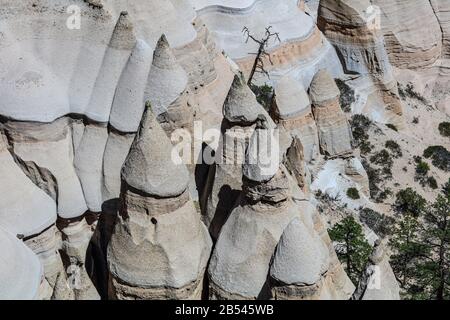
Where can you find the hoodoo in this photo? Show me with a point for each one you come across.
(159, 247)
(334, 130)
(241, 114)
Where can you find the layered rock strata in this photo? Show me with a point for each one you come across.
(354, 29)
(291, 110)
(159, 248)
(335, 136)
(242, 262)
(241, 113)
(441, 9)
(411, 44)
(32, 220)
(301, 50)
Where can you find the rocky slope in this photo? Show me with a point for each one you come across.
(95, 202)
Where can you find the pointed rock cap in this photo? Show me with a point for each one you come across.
(291, 99)
(20, 269)
(128, 106)
(167, 79)
(151, 165)
(241, 105)
(300, 258)
(123, 36)
(262, 159)
(323, 88)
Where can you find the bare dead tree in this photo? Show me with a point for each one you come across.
(258, 65)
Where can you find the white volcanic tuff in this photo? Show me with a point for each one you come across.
(128, 105)
(150, 166)
(226, 25)
(88, 164)
(262, 156)
(56, 155)
(20, 269)
(122, 42)
(153, 18)
(323, 88)
(42, 55)
(159, 248)
(291, 98)
(335, 135)
(241, 259)
(76, 239)
(361, 47)
(378, 281)
(166, 80)
(241, 105)
(412, 40)
(25, 209)
(292, 110)
(185, 9)
(301, 257)
(175, 250)
(237, 4)
(116, 152)
(442, 10)
(53, 70)
(240, 112)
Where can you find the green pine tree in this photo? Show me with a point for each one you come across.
(434, 268)
(421, 246)
(351, 246)
(407, 249)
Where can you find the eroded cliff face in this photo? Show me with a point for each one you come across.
(92, 204)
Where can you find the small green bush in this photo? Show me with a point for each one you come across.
(395, 148)
(347, 95)
(440, 157)
(422, 169)
(392, 127)
(410, 92)
(444, 129)
(382, 158)
(353, 193)
(380, 224)
(376, 177)
(446, 188)
(264, 95)
(360, 127)
(409, 201)
(431, 181)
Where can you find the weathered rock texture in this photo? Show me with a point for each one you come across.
(353, 29)
(334, 130)
(93, 188)
(165, 90)
(411, 43)
(378, 281)
(21, 272)
(241, 112)
(242, 259)
(303, 48)
(291, 109)
(159, 248)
